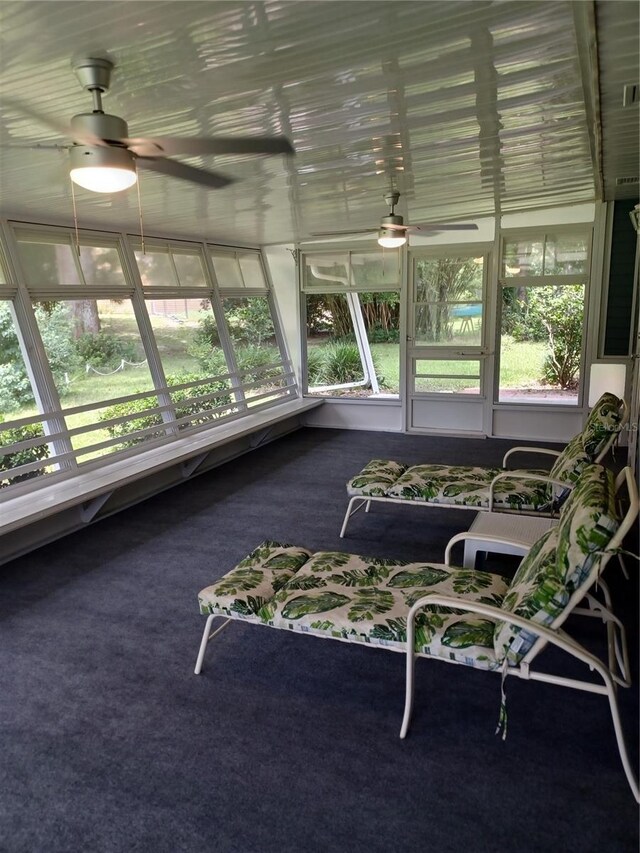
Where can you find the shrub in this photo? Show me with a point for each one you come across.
(136, 408)
(315, 364)
(562, 314)
(252, 358)
(380, 335)
(249, 320)
(56, 329)
(22, 457)
(207, 332)
(104, 349)
(341, 363)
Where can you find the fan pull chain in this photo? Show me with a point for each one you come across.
(144, 251)
(75, 217)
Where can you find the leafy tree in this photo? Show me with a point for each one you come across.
(561, 312)
(56, 329)
(440, 281)
(249, 320)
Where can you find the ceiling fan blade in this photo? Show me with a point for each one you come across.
(47, 121)
(187, 173)
(36, 146)
(170, 145)
(343, 233)
(440, 226)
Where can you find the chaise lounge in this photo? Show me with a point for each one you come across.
(473, 618)
(529, 491)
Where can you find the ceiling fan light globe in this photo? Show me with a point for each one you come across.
(389, 239)
(102, 169)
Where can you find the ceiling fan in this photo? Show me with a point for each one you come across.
(392, 232)
(104, 158)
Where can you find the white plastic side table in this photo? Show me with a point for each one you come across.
(521, 531)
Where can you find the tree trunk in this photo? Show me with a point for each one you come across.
(85, 317)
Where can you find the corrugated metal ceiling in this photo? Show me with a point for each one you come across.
(468, 107)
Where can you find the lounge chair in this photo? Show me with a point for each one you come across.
(530, 491)
(473, 618)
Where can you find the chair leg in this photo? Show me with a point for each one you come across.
(351, 510)
(206, 636)
(203, 644)
(410, 678)
(622, 748)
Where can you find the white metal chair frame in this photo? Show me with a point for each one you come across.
(614, 674)
(624, 417)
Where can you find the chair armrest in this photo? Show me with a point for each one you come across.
(483, 537)
(521, 475)
(544, 450)
(549, 635)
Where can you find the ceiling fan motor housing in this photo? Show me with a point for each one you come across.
(105, 156)
(392, 220)
(102, 125)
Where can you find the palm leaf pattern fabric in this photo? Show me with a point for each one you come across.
(561, 562)
(358, 599)
(245, 590)
(605, 418)
(468, 485)
(367, 600)
(376, 477)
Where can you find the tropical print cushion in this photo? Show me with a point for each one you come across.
(560, 562)
(587, 523)
(571, 463)
(465, 485)
(366, 600)
(602, 421)
(375, 478)
(243, 591)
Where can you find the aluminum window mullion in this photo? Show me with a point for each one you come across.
(156, 369)
(223, 332)
(35, 357)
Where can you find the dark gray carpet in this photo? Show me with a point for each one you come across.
(284, 743)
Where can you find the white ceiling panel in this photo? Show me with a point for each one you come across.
(468, 108)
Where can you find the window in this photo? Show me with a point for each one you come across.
(21, 429)
(131, 361)
(353, 324)
(448, 303)
(261, 368)
(96, 356)
(543, 286)
(448, 322)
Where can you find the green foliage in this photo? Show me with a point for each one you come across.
(136, 408)
(341, 363)
(104, 349)
(336, 364)
(207, 332)
(315, 364)
(550, 314)
(249, 320)
(440, 281)
(251, 359)
(379, 335)
(562, 315)
(520, 317)
(56, 329)
(329, 313)
(22, 457)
